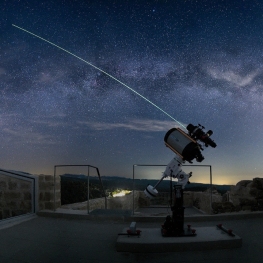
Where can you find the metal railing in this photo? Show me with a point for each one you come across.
(162, 165)
(88, 178)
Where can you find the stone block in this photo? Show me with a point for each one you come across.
(49, 205)
(257, 193)
(27, 196)
(12, 185)
(202, 200)
(12, 195)
(11, 204)
(6, 213)
(46, 186)
(228, 206)
(258, 183)
(246, 208)
(196, 202)
(243, 183)
(58, 195)
(247, 202)
(18, 212)
(142, 202)
(121, 202)
(3, 185)
(41, 206)
(41, 196)
(239, 190)
(58, 186)
(48, 196)
(49, 178)
(216, 206)
(234, 200)
(25, 186)
(222, 207)
(41, 178)
(27, 206)
(237, 208)
(98, 203)
(188, 198)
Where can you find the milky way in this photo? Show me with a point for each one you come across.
(200, 61)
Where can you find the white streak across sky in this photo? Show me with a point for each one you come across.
(99, 69)
(199, 61)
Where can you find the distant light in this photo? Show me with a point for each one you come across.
(121, 193)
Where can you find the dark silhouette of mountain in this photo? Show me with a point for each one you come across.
(111, 183)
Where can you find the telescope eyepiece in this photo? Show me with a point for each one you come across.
(197, 133)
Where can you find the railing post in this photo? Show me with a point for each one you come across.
(133, 205)
(55, 188)
(211, 192)
(88, 193)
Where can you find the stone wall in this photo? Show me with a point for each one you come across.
(188, 199)
(46, 192)
(98, 203)
(202, 201)
(246, 195)
(15, 197)
(125, 202)
(120, 202)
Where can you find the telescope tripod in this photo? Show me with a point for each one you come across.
(174, 226)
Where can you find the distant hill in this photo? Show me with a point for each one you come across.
(111, 183)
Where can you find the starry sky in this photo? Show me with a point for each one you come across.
(200, 61)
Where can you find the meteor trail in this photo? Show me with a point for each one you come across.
(100, 71)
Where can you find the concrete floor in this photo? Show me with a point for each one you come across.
(46, 239)
(163, 211)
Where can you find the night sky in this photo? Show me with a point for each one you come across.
(200, 61)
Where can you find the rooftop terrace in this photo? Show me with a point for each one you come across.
(83, 238)
(31, 231)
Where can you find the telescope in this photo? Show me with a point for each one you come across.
(187, 147)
